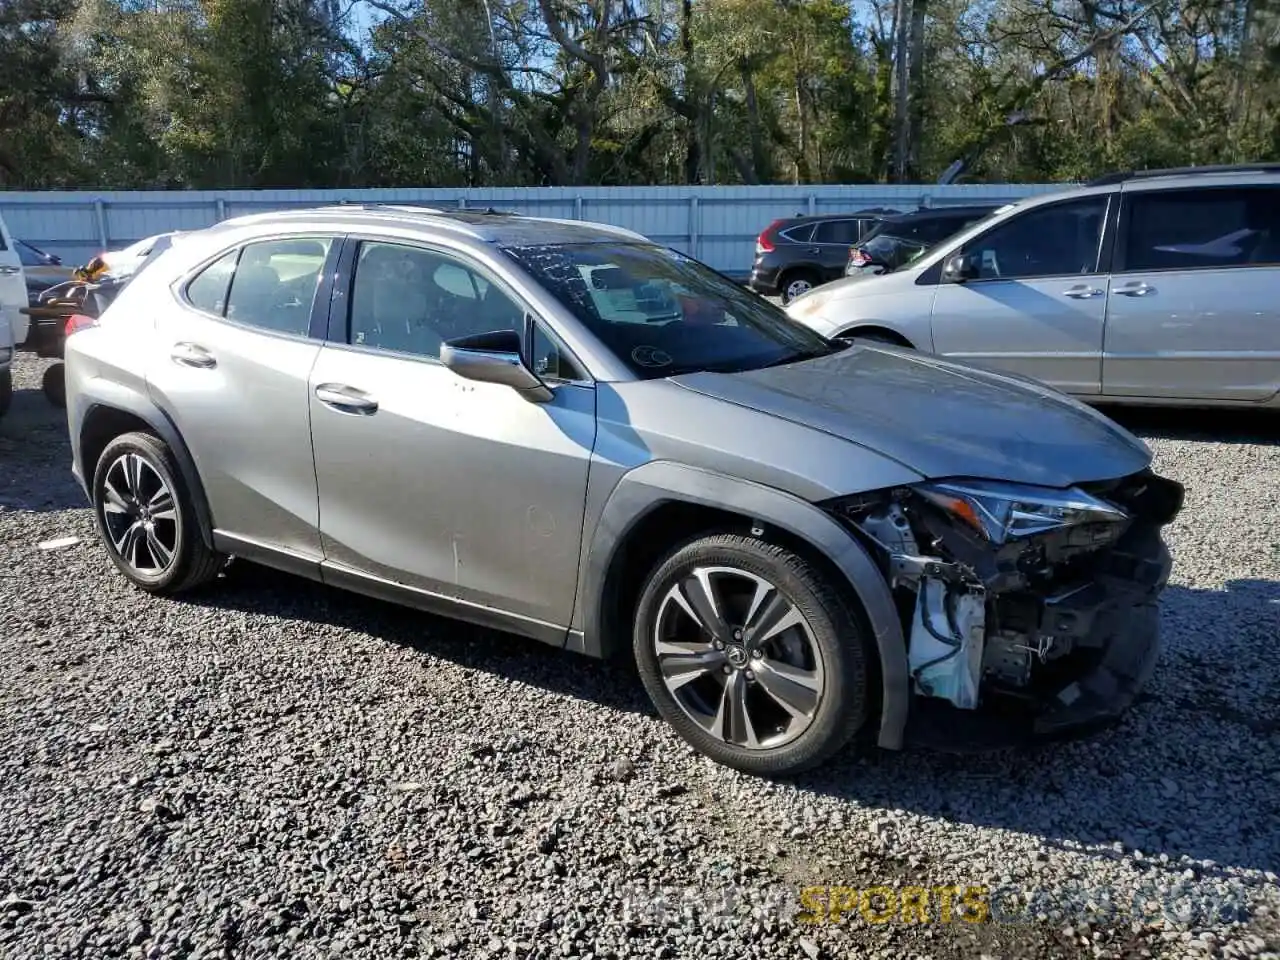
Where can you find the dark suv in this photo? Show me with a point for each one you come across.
(898, 239)
(796, 254)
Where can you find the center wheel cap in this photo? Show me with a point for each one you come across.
(736, 654)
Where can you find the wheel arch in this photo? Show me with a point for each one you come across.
(662, 503)
(105, 417)
(863, 328)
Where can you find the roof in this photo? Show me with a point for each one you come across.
(500, 228)
(928, 213)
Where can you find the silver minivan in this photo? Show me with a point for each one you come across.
(1147, 287)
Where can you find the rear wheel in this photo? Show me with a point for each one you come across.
(145, 518)
(751, 655)
(54, 384)
(6, 390)
(796, 283)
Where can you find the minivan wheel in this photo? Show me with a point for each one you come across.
(751, 654)
(6, 390)
(144, 517)
(797, 283)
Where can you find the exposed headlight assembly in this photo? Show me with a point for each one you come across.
(1001, 512)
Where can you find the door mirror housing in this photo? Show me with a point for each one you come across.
(494, 358)
(960, 267)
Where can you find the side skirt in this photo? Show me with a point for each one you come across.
(345, 578)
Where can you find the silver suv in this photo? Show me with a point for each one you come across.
(566, 431)
(1150, 287)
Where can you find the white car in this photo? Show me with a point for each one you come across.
(13, 325)
(122, 263)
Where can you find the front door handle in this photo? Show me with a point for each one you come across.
(346, 399)
(192, 355)
(1135, 290)
(7, 271)
(1082, 291)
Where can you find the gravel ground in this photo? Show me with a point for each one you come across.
(274, 769)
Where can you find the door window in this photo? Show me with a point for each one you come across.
(549, 359)
(411, 300)
(270, 284)
(837, 231)
(208, 291)
(1063, 239)
(1204, 228)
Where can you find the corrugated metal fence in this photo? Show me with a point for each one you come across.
(715, 224)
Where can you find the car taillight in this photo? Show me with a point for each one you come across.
(77, 322)
(764, 242)
(858, 257)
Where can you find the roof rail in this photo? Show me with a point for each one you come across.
(1123, 176)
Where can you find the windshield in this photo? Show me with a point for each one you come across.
(663, 313)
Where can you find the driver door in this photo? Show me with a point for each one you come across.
(433, 484)
(1038, 304)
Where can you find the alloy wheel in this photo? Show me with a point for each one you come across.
(738, 657)
(140, 515)
(797, 287)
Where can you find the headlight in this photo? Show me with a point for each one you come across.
(1003, 511)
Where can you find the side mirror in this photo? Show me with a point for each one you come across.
(960, 267)
(494, 358)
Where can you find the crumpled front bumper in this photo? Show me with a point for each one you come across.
(1117, 615)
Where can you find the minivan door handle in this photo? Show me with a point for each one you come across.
(1082, 291)
(7, 271)
(346, 399)
(1135, 290)
(192, 355)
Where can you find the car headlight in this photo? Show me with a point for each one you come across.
(1001, 512)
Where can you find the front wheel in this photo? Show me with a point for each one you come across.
(751, 655)
(145, 518)
(6, 390)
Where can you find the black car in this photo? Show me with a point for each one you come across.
(900, 239)
(796, 254)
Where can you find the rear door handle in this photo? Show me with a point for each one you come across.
(1082, 291)
(346, 399)
(192, 355)
(1135, 290)
(7, 271)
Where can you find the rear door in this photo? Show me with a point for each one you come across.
(1193, 311)
(231, 369)
(13, 285)
(1038, 304)
(831, 242)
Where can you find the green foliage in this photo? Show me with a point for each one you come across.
(315, 93)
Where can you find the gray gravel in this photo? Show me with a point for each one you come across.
(275, 769)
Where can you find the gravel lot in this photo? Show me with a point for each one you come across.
(275, 769)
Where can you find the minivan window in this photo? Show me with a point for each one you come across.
(1061, 239)
(663, 313)
(1202, 228)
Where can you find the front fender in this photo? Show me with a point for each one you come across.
(649, 486)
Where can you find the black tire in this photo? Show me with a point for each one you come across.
(876, 336)
(837, 634)
(54, 384)
(6, 390)
(191, 562)
(793, 277)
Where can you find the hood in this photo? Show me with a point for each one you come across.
(938, 418)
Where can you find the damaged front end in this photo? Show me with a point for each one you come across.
(1021, 603)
